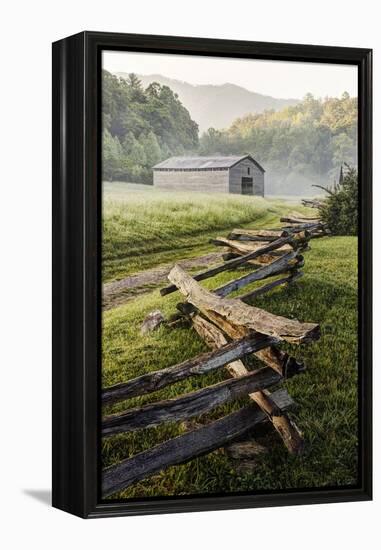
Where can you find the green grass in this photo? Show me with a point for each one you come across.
(326, 393)
(145, 227)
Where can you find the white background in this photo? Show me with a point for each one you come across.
(27, 29)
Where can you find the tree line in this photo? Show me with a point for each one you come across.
(142, 127)
(311, 139)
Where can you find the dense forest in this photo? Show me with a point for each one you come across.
(141, 127)
(298, 146)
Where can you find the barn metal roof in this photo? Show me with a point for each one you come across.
(189, 163)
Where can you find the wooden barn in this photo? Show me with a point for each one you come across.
(231, 174)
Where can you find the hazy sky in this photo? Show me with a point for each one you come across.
(281, 79)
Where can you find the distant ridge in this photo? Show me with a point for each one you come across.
(216, 106)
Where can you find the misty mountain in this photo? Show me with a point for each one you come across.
(216, 106)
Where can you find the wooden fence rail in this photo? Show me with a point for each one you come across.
(232, 264)
(202, 364)
(312, 203)
(191, 404)
(287, 262)
(187, 446)
(234, 329)
(239, 313)
(260, 235)
(294, 276)
(214, 336)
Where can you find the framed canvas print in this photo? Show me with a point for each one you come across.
(212, 274)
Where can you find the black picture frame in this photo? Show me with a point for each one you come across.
(77, 281)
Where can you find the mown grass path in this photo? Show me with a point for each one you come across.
(119, 292)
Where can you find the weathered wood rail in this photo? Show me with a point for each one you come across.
(234, 329)
(276, 359)
(312, 203)
(187, 446)
(241, 314)
(191, 404)
(232, 264)
(314, 225)
(202, 364)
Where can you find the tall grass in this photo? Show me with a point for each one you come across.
(142, 224)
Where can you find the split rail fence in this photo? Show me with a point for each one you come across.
(233, 329)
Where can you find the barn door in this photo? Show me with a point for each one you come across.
(247, 186)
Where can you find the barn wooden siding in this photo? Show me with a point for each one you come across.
(213, 181)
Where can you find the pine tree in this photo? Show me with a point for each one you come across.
(341, 177)
(340, 209)
(152, 149)
(112, 154)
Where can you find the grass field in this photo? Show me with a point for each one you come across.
(164, 229)
(145, 227)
